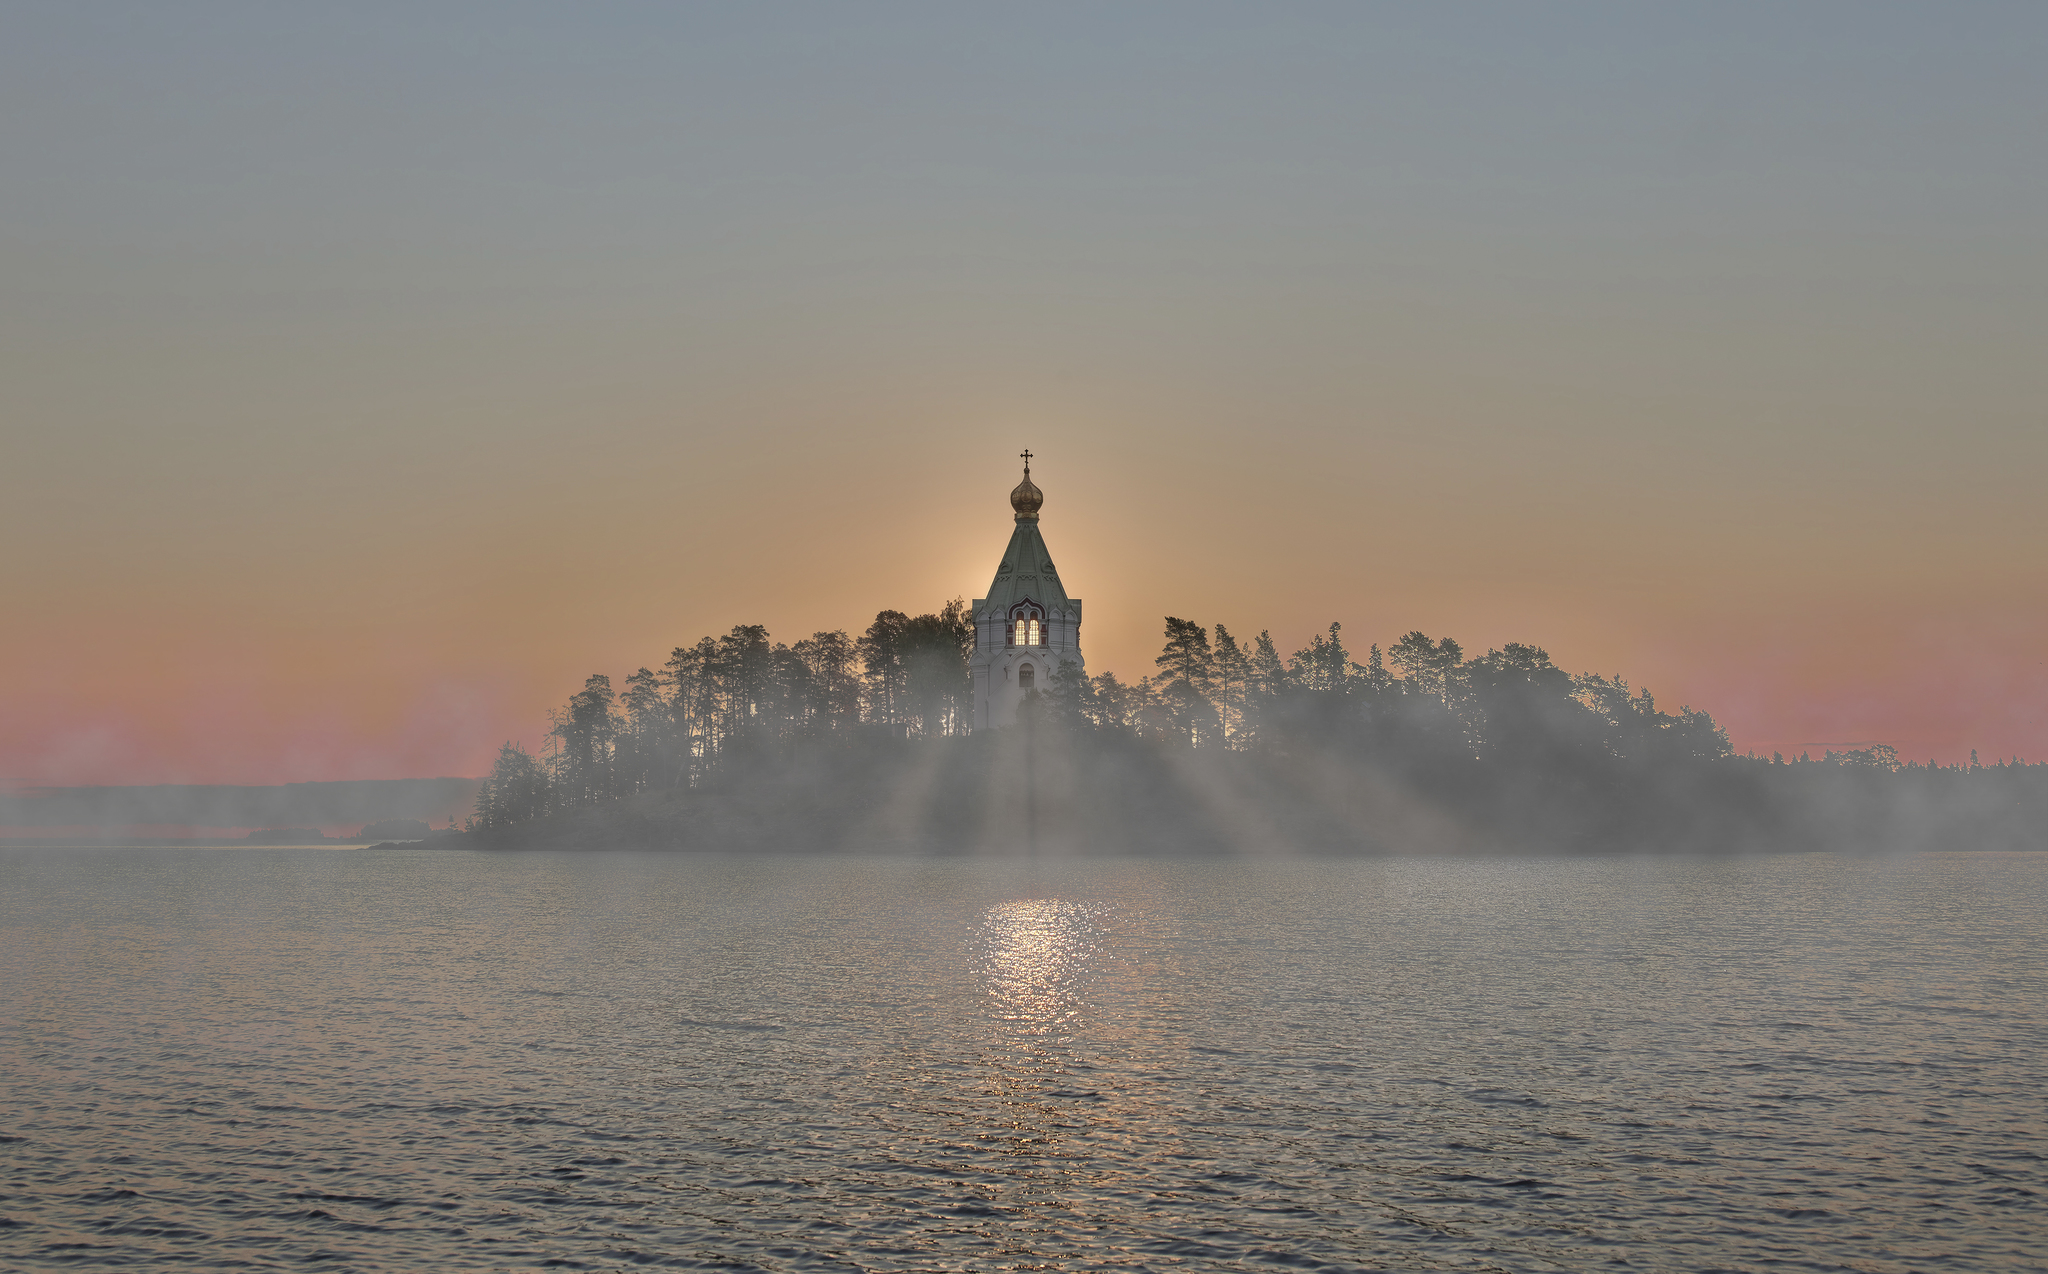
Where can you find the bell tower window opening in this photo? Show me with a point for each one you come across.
(1028, 626)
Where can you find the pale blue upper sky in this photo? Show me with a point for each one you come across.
(755, 146)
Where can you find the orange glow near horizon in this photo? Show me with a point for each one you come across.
(287, 687)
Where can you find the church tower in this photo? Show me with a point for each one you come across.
(1027, 626)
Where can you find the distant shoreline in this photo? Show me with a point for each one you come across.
(208, 842)
(97, 813)
(166, 842)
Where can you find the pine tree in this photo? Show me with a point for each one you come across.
(1068, 698)
(1116, 704)
(1427, 667)
(832, 661)
(693, 704)
(585, 733)
(1268, 675)
(881, 654)
(517, 791)
(1187, 660)
(740, 670)
(936, 683)
(1324, 664)
(1233, 678)
(1187, 677)
(646, 744)
(1376, 678)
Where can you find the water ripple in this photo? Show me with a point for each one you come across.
(449, 1061)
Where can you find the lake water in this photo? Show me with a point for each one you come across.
(422, 1060)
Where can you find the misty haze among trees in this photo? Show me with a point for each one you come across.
(836, 741)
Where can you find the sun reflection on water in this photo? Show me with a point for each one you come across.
(1037, 952)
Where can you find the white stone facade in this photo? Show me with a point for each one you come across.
(1005, 667)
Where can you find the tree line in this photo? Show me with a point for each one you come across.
(743, 699)
(1421, 694)
(733, 699)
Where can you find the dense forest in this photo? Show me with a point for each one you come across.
(836, 741)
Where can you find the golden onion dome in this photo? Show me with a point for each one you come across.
(1027, 497)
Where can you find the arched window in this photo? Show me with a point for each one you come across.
(1027, 625)
(1024, 677)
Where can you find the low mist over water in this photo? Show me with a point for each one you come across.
(414, 1060)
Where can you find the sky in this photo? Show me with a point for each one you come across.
(372, 374)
